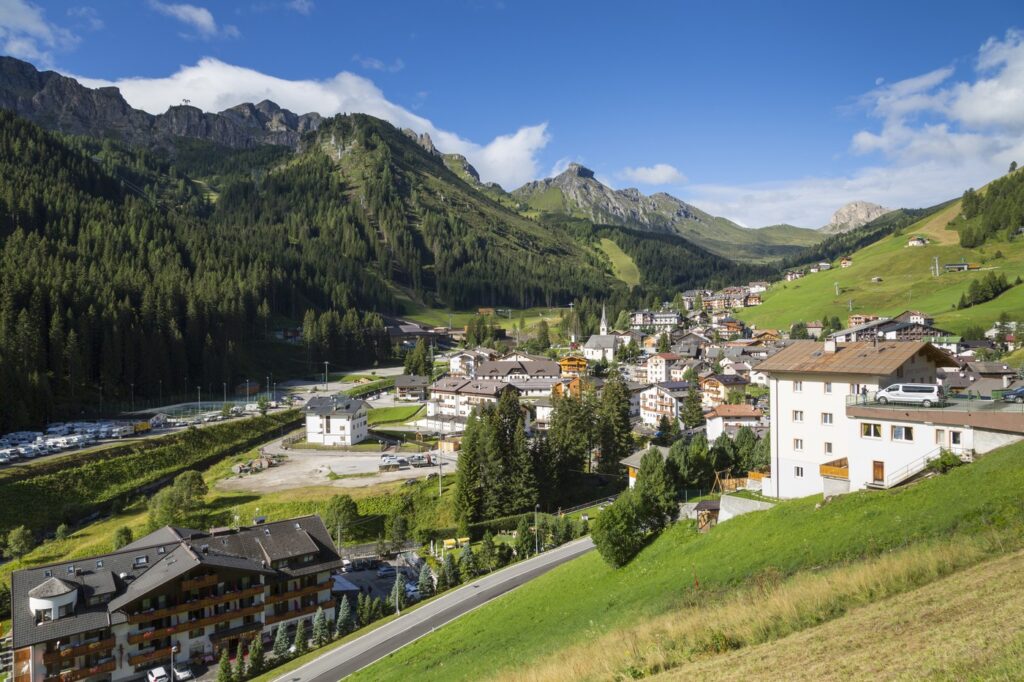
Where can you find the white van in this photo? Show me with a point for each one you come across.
(921, 394)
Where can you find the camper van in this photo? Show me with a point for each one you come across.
(925, 395)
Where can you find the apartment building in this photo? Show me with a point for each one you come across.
(336, 420)
(190, 592)
(828, 435)
(455, 397)
(662, 400)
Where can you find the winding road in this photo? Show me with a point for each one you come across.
(387, 639)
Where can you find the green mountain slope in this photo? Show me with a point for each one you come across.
(577, 193)
(906, 279)
(609, 621)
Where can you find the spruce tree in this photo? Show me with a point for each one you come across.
(614, 430)
(224, 671)
(362, 610)
(396, 600)
(451, 571)
(693, 412)
(301, 641)
(654, 492)
(281, 644)
(524, 539)
(467, 563)
(343, 624)
(486, 556)
(321, 633)
(425, 584)
(257, 661)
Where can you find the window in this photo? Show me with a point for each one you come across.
(828, 448)
(798, 444)
(868, 430)
(940, 436)
(196, 634)
(828, 387)
(141, 561)
(904, 433)
(99, 563)
(954, 438)
(798, 415)
(826, 418)
(798, 472)
(798, 386)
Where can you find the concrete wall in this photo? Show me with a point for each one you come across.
(733, 506)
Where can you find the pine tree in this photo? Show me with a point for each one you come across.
(486, 556)
(281, 644)
(425, 584)
(396, 600)
(467, 563)
(614, 431)
(451, 571)
(655, 491)
(343, 624)
(524, 539)
(224, 672)
(321, 633)
(693, 412)
(362, 610)
(301, 641)
(257, 661)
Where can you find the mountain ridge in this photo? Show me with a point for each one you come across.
(852, 215)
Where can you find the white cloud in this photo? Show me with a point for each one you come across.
(213, 85)
(304, 7)
(658, 174)
(199, 18)
(937, 137)
(375, 64)
(87, 17)
(25, 33)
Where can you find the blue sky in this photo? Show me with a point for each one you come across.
(762, 112)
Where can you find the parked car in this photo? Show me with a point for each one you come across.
(346, 566)
(386, 571)
(1014, 396)
(925, 395)
(158, 675)
(182, 672)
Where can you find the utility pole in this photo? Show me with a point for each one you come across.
(199, 399)
(837, 289)
(536, 529)
(133, 397)
(246, 390)
(225, 392)
(325, 374)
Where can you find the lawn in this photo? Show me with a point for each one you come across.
(396, 414)
(906, 283)
(586, 598)
(622, 265)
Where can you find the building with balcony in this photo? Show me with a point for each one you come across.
(175, 592)
(336, 420)
(828, 435)
(662, 400)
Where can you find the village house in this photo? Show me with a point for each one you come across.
(793, 275)
(457, 397)
(757, 287)
(411, 387)
(658, 366)
(846, 262)
(716, 387)
(814, 329)
(730, 418)
(828, 436)
(917, 240)
(509, 371)
(894, 329)
(632, 463)
(663, 399)
(175, 593)
(464, 362)
(336, 420)
(573, 366)
(658, 320)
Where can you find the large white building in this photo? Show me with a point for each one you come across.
(662, 400)
(455, 397)
(828, 436)
(336, 420)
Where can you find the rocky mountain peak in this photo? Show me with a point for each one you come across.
(578, 171)
(853, 215)
(422, 139)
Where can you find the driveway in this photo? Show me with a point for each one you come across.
(391, 637)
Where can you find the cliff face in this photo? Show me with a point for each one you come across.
(853, 215)
(61, 103)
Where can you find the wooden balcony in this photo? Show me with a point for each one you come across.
(756, 475)
(278, 617)
(144, 616)
(193, 624)
(294, 594)
(199, 582)
(837, 468)
(147, 656)
(82, 673)
(70, 652)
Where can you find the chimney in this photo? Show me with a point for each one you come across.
(830, 346)
(1006, 381)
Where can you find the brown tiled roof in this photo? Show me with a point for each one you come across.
(861, 357)
(735, 411)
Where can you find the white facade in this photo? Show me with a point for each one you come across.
(337, 429)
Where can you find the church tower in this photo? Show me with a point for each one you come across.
(604, 321)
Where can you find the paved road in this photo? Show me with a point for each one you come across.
(389, 638)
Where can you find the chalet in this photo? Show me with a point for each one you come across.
(752, 299)
(632, 463)
(663, 399)
(793, 275)
(335, 420)
(716, 387)
(660, 320)
(730, 418)
(573, 366)
(846, 262)
(658, 366)
(411, 387)
(175, 594)
(814, 329)
(518, 370)
(757, 287)
(824, 265)
(917, 240)
(464, 363)
(457, 397)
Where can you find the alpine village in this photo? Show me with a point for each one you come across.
(317, 390)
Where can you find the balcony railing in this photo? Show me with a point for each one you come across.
(301, 592)
(82, 673)
(151, 655)
(306, 610)
(193, 624)
(837, 468)
(199, 582)
(72, 651)
(143, 616)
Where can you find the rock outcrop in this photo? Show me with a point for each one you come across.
(854, 215)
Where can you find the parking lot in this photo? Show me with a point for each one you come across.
(365, 576)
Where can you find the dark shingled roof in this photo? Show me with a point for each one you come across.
(53, 587)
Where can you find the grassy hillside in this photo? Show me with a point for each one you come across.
(622, 265)
(585, 610)
(906, 282)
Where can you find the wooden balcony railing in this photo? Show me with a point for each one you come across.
(78, 650)
(151, 655)
(193, 624)
(82, 673)
(837, 468)
(756, 475)
(278, 617)
(144, 616)
(199, 582)
(301, 592)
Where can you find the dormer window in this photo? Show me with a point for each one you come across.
(99, 563)
(71, 570)
(141, 561)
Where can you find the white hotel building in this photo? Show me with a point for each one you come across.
(827, 435)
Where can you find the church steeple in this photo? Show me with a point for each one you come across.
(604, 321)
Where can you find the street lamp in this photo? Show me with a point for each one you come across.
(325, 374)
(536, 529)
